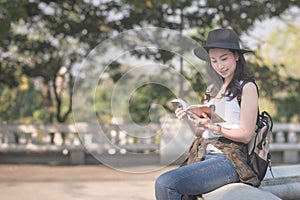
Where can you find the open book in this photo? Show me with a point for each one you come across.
(198, 109)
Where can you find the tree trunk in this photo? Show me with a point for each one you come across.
(46, 92)
(59, 88)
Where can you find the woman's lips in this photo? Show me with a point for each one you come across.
(223, 72)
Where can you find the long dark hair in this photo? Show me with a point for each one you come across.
(242, 72)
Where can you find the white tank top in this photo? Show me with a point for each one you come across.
(229, 110)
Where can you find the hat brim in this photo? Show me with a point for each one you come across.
(202, 52)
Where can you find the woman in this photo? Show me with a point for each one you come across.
(219, 154)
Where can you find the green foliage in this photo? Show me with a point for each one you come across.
(114, 70)
(103, 103)
(21, 105)
(39, 116)
(279, 72)
(144, 102)
(7, 101)
(39, 38)
(27, 103)
(8, 74)
(10, 11)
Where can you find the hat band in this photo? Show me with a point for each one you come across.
(223, 45)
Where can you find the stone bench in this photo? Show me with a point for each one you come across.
(239, 191)
(285, 185)
(286, 182)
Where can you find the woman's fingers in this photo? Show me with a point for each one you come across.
(180, 114)
(202, 121)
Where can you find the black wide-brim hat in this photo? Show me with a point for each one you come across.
(220, 38)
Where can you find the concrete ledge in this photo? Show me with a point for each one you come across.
(286, 182)
(285, 185)
(288, 191)
(239, 191)
(282, 172)
(50, 153)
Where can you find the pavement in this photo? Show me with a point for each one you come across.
(84, 182)
(91, 182)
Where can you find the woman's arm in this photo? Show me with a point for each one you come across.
(248, 115)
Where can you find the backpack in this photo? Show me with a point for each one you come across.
(259, 157)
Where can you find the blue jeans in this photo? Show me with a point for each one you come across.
(195, 179)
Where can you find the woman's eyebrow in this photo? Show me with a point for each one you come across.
(225, 54)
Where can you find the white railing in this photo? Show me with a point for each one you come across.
(112, 139)
(128, 136)
(285, 146)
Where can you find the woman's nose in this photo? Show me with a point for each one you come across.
(219, 65)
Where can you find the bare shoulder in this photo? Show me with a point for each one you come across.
(250, 88)
(249, 97)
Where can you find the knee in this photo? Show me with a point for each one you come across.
(162, 181)
(159, 182)
(162, 187)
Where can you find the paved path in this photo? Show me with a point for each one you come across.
(30, 182)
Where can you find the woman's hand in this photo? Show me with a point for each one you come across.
(180, 114)
(203, 121)
(195, 122)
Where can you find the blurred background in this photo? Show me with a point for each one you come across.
(43, 43)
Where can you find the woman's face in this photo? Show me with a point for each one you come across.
(224, 62)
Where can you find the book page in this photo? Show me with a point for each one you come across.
(198, 109)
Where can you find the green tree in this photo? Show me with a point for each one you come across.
(7, 100)
(50, 38)
(22, 104)
(47, 39)
(28, 104)
(280, 54)
(10, 12)
(144, 102)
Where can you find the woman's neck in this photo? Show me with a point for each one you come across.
(225, 84)
(223, 89)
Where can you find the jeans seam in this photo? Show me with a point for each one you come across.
(170, 194)
(230, 176)
(198, 171)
